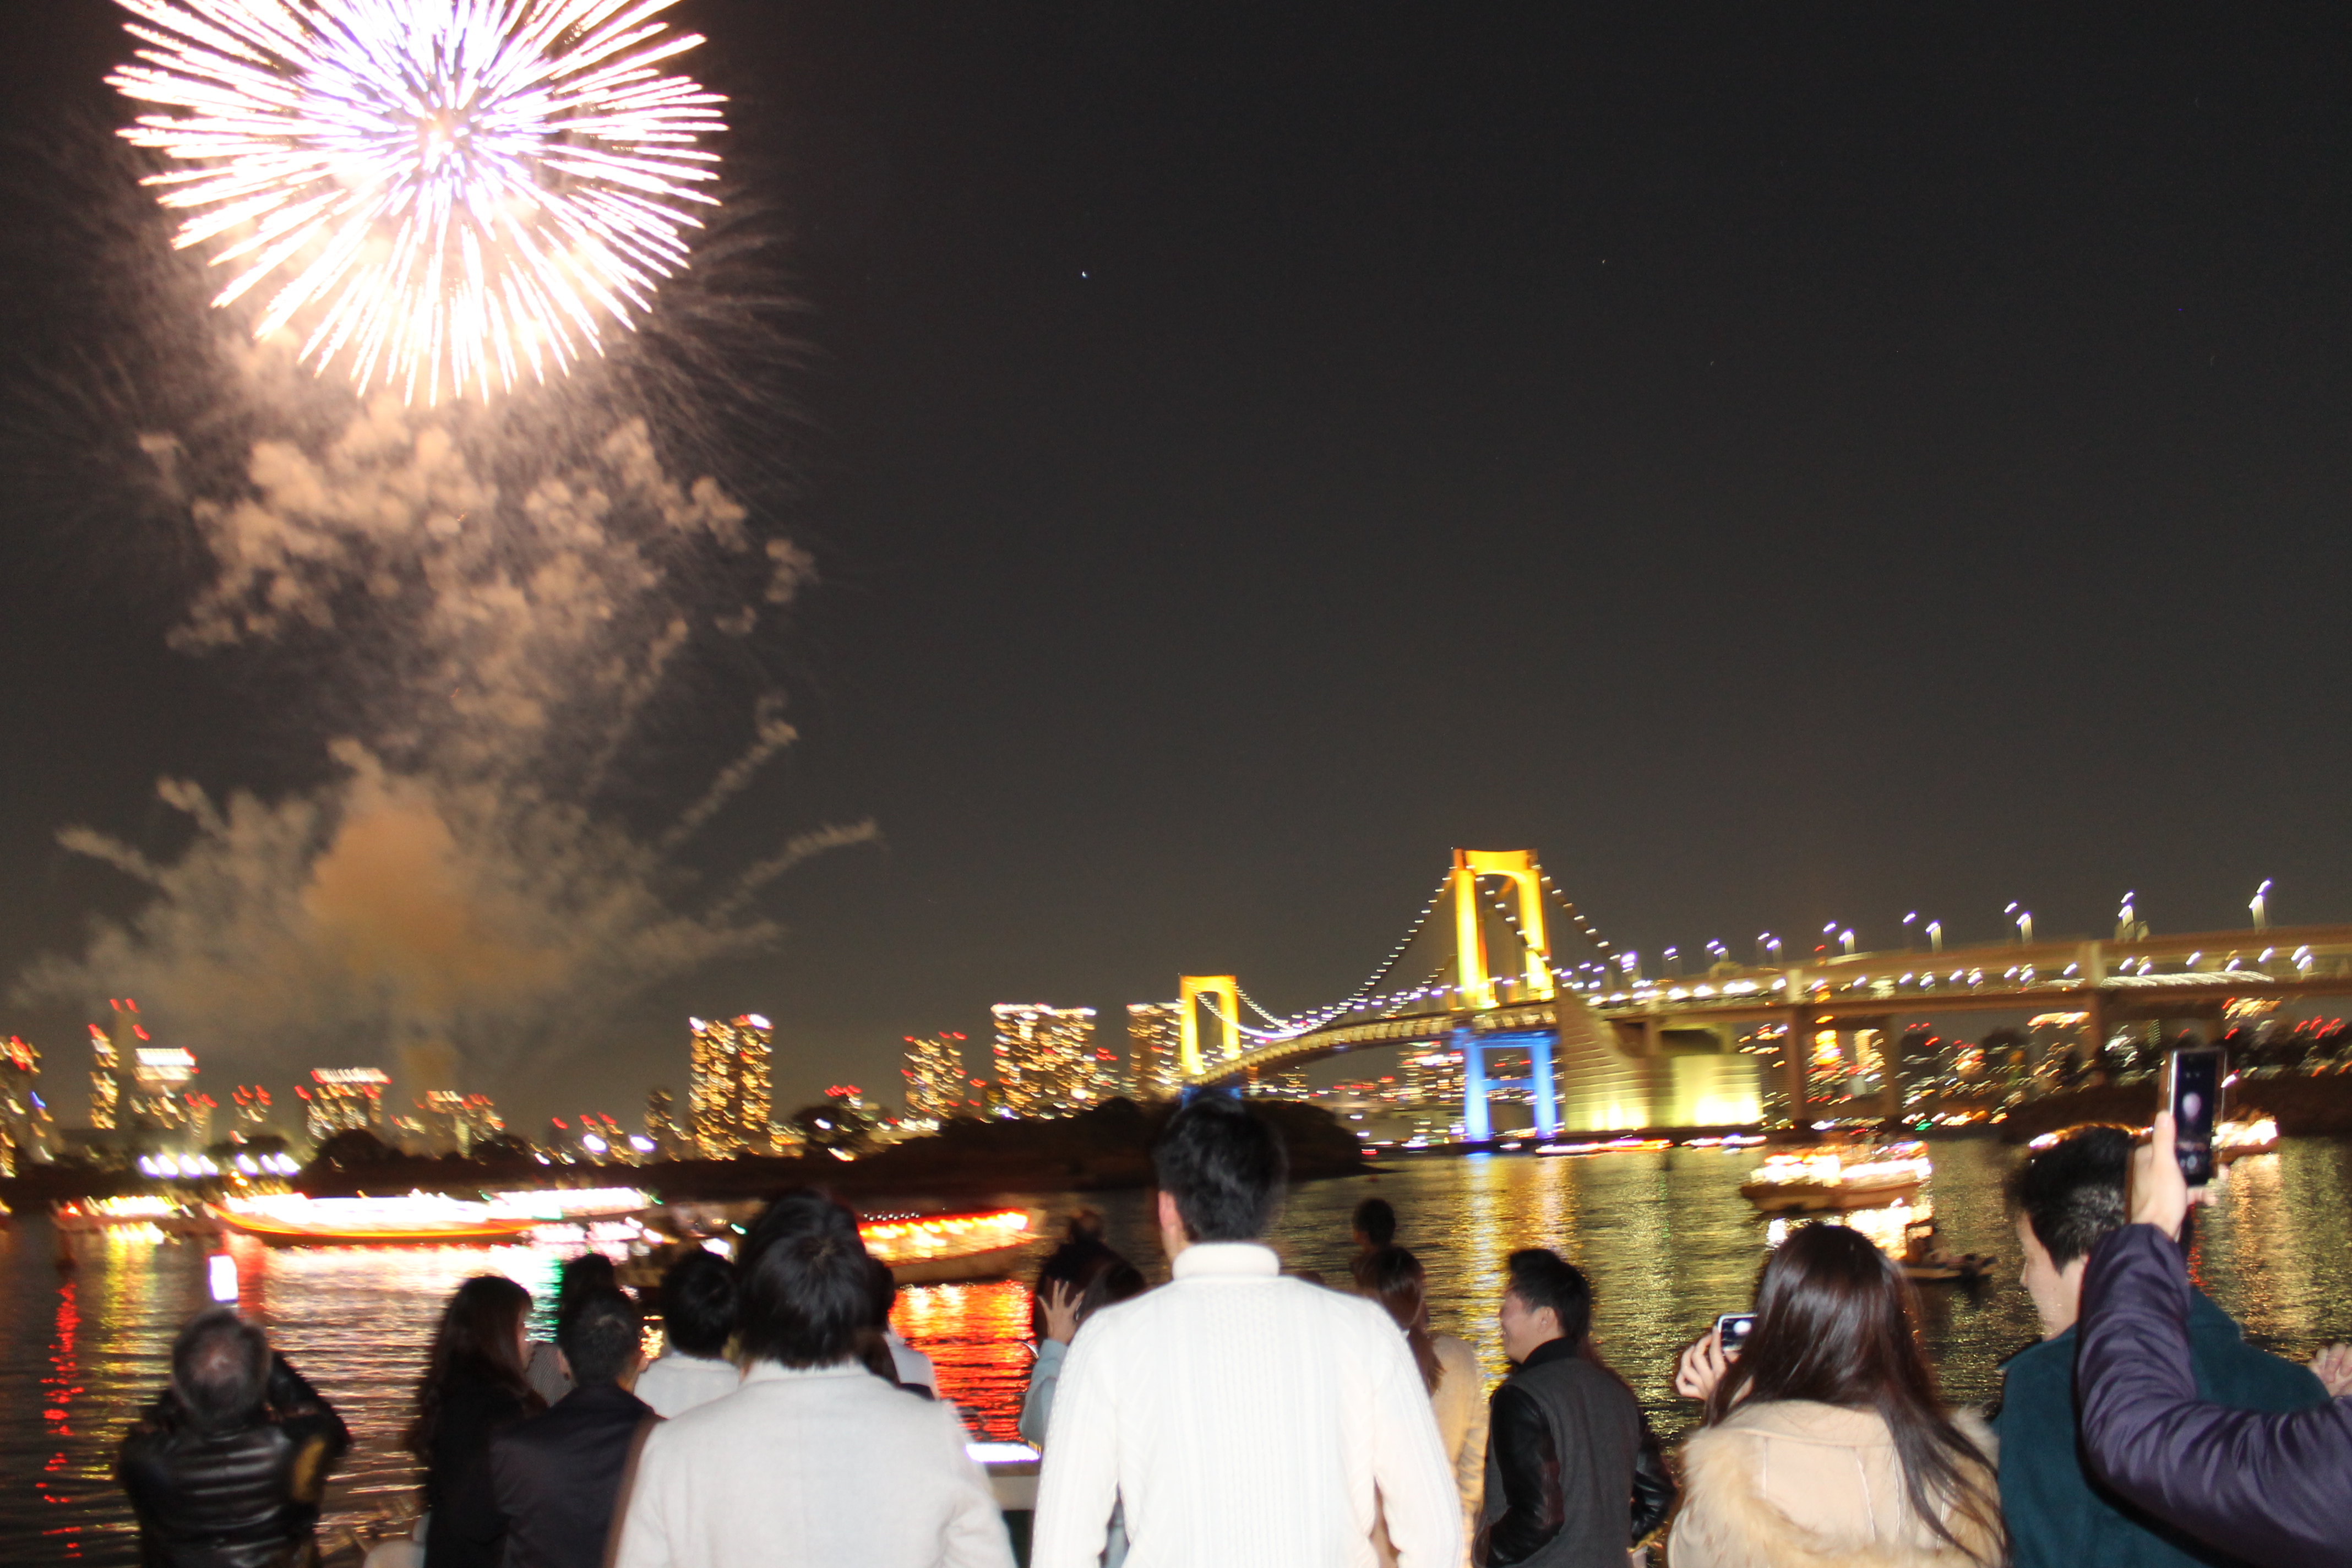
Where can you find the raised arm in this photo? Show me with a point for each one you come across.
(2274, 1489)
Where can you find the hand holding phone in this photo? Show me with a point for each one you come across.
(1733, 1328)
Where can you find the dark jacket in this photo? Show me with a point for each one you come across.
(245, 1497)
(557, 1477)
(2274, 1488)
(2058, 1516)
(466, 1531)
(1562, 1437)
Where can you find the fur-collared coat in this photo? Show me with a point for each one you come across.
(1793, 1484)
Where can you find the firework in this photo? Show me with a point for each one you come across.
(441, 195)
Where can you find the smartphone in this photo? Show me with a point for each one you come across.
(1734, 1328)
(220, 1273)
(2192, 1088)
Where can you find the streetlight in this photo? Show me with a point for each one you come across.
(1935, 936)
(2125, 919)
(1674, 961)
(1846, 937)
(2025, 928)
(2260, 906)
(1767, 943)
(1906, 929)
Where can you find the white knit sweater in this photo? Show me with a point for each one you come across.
(1244, 1419)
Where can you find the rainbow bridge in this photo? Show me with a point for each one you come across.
(1610, 1051)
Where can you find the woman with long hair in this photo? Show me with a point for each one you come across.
(474, 1388)
(1449, 1370)
(1824, 1442)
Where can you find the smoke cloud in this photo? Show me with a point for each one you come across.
(495, 620)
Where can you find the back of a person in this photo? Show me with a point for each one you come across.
(821, 1467)
(1596, 1430)
(674, 1383)
(1794, 1482)
(1255, 1392)
(219, 1501)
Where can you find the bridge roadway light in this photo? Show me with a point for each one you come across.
(1906, 929)
(1767, 943)
(2025, 926)
(2260, 906)
(1935, 936)
(1845, 938)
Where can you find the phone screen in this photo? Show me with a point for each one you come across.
(1734, 1328)
(2193, 1090)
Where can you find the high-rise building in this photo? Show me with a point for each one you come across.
(727, 1085)
(249, 1110)
(1154, 1029)
(936, 1079)
(27, 1131)
(1046, 1061)
(105, 1080)
(161, 1091)
(447, 1120)
(342, 1099)
(661, 1123)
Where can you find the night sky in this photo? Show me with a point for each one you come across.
(1782, 463)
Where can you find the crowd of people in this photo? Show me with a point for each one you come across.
(1237, 1416)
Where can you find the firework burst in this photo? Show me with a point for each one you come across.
(438, 195)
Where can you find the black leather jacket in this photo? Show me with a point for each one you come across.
(243, 1496)
(1562, 1432)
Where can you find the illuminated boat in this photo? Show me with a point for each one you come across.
(163, 1216)
(2236, 1140)
(1823, 1180)
(291, 1219)
(945, 1249)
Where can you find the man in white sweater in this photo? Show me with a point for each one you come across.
(1241, 1417)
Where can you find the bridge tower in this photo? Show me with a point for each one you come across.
(1476, 987)
(1226, 990)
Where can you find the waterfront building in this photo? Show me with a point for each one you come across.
(447, 1120)
(661, 1123)
(249, 1111)
(160, 1097)
(1046, 1060)
(340, 1100)
(28, 1133)
(1154, 1030)
(935, 1077)
(727, 1085)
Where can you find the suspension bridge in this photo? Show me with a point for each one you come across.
(1500, 966)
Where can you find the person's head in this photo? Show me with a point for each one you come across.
(697, 1302)
(1375, 1225)
(598, 1335)
(220, 1370)
(479, 1338)
(1544, 1297)
(1835, 1324)
(1086, 1266)
(579, 1276)
(1392, 1276)
(2065, 1197)
(805, 1291)
(1221, 1169)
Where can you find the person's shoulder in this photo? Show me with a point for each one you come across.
(2242, 1375)
(1806, 1421)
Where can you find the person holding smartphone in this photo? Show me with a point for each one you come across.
(2268, 1488)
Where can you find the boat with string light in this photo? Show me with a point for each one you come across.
(947, 1248)
(142, 1212)
(1845, 1176)
(555, 1215)
(2237, 1139)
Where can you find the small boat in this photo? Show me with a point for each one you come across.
(947, 1248)
(2236, 1140)
(291, 1219)
(1845, 1176)
(1925, 1261)
(160, 1216)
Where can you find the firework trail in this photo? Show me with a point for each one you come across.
(445, 195)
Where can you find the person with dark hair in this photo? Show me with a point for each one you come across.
(579, 1276)
(1374, 1223)
(2065, 1198)
(1565, 1439)
(226, 1469)
(698, 1303)
(1449, 1371)
(1079, 1278)
(1824, 1441)
(1241, 1418)
(2272, 1487)
(812, 1461)
(909, 1368)
(473, 1389)
(557, 1477)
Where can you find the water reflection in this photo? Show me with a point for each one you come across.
(1665, 1236)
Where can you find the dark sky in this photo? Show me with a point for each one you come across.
(1782, 463)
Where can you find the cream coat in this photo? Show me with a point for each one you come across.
(1793, 1484)
(1459, 1401)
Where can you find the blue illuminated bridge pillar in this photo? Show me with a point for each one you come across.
(1477, 1126)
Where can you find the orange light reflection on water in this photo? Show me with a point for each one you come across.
(977, 1338)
